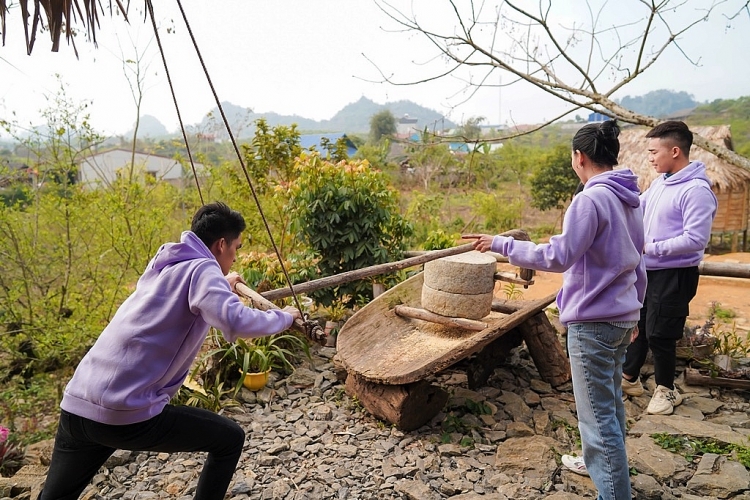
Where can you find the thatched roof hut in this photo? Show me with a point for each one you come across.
(731, 184)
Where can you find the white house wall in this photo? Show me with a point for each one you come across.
(103, 168)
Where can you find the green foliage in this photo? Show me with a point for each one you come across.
(499, 214)
(735, 112)
(228, 359)
(377, 155)
(512, 291)
(471, 128)
(691, 447)
(424, 212)
(70, 254)
(12, 454)
(348, 215)
(554, 181)
(214, 399)
(572, 432)
(382, 125)
(432, 161)
(439, 239)
(722, 313)
(271, 152)
(262, 271)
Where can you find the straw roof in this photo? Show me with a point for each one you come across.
(725, 176)
(57, 17)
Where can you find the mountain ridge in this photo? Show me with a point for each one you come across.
(354, 118)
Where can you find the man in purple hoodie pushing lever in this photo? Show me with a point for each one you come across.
(119, 395)
(679, 209)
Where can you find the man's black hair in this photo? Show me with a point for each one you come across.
(215, 221)
(675, 131)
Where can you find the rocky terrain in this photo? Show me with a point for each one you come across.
(307, 439)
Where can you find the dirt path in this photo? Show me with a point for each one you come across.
(731, 293)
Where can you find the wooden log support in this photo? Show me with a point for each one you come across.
(425, 315)
(726, 269)
(483, 365)
(408, 406)
(545, 349)
(695, 377)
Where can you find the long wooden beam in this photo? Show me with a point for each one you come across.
(366, 272)
(726, 269)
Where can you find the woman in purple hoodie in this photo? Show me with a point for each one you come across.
(604, 281)
(119, 395)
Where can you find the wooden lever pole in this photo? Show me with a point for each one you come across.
(260, 302)
(366, 272)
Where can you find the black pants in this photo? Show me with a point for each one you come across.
(82, 446)
(662, 322)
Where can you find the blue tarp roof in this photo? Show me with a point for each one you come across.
(307, 141)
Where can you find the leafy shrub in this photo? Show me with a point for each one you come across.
(349, 217)
(12, 455)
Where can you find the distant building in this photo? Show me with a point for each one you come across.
(406, 126)
(104, 168)
(315, 141)
(598, 117)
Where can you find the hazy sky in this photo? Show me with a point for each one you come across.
(311, 58)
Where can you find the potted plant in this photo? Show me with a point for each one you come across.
(255, 358)
(698, 342)
(335, 314)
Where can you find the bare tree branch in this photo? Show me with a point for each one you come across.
(536, 49)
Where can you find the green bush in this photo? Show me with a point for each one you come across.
(348, 215)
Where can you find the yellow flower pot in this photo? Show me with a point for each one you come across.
(256, 381)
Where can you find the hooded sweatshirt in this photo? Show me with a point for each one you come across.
(143, 355)
(678, 213)
(599, 252)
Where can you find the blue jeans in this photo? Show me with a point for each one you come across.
(597, 351)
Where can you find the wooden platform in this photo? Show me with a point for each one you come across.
(378, 346)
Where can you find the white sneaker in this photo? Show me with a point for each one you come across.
(575, 464)
(663, 401)
(632, 388)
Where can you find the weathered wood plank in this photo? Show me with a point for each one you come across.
(381, 347)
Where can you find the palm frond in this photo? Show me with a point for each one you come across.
(56, 16)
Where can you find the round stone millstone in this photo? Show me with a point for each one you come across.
(456, 305)
(469, 273)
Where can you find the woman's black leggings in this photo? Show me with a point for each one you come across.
(82, 446)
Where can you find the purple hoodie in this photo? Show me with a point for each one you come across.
(678, 213)
(143, 355)
(599, 252)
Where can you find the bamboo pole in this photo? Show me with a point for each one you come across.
(366, 272)
(260, 302)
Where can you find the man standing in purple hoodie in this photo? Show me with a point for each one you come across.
(679, 209)
(604, 281)
(119, 395)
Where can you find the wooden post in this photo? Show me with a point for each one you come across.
(408, 406)
(545, 349)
